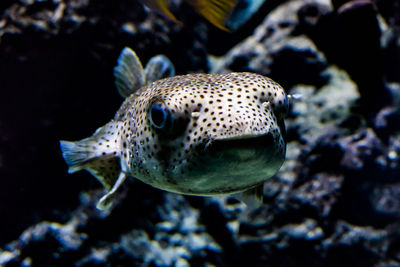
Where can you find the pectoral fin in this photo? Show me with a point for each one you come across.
(253, 197)
(106, 201)
(108, 172)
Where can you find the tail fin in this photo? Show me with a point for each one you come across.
(98, 154)
(75, 154)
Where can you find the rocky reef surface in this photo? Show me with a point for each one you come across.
(335, 201)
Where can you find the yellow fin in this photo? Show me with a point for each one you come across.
(215, 11)
(161, 7)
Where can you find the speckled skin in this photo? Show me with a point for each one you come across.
(226, 135)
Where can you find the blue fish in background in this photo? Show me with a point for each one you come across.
(243, 12)
(225, 14)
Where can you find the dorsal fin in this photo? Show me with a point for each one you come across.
(129, 74)
(157, 68)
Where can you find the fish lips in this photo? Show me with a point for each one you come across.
(237, 147)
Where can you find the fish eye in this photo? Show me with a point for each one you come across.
(158, 116)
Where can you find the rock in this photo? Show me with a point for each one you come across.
(387, 122)
(391, 48)
(350, 38)
(176, 238)
(385, 199)
(385, 195)
(277, 50)
(322, 110)
(361, 149)
(393, 153)
(179, 238)
(308, 230)
(348, 240)
(321, 193)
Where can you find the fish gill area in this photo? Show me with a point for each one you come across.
(334, 202)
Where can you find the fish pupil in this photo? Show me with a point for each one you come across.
(158, 116)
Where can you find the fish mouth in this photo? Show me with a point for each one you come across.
(261, 142)
(230, 165)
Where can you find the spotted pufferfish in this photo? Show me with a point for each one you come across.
(195, 134)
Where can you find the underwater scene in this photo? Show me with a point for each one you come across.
(200, 133)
